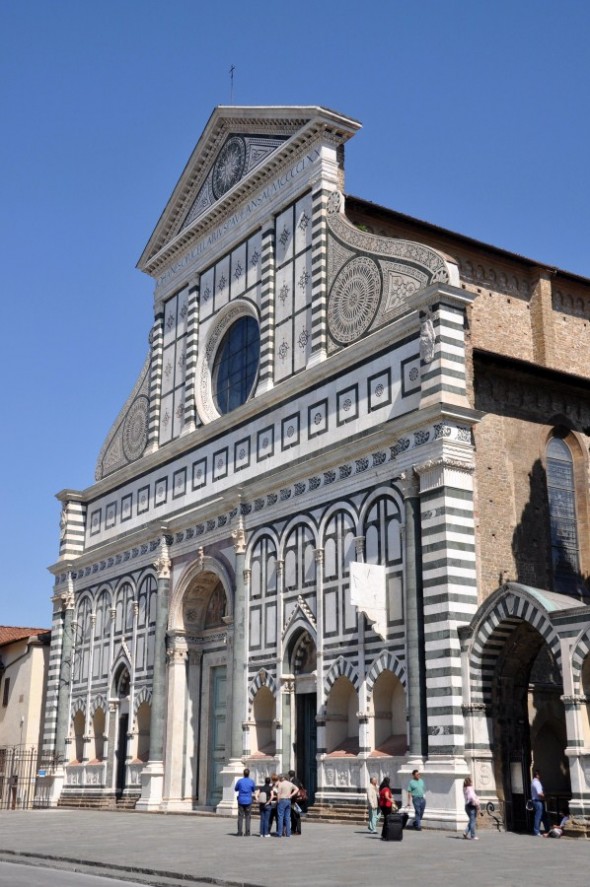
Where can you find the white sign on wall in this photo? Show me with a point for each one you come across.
(367, 593)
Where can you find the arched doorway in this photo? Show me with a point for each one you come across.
(122, 684)
(302, 664)
(203, 622)
(523, 688)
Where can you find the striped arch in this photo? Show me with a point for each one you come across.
(78, 704)
(98, 702)
(144, 695)
(507, 610)
(341, 668)
(579, 654)
(385, 661)
(262, 679)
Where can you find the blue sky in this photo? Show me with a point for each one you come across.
(475, 117)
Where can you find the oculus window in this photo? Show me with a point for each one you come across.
(236, 365)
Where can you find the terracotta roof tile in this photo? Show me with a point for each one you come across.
(9, 634)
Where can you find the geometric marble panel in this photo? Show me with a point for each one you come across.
(290, 432)
(410, 373)
(348, 405)
(379, 390)
(317, 418)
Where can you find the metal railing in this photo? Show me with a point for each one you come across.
(19, 767)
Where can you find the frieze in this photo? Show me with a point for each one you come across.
(570, 303)
(492, 279)
(518, 396)
(299, 488)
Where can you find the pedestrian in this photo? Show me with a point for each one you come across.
(296, 808)
(285, 791)
(373, 804)
(387, 805)
(263, 796)
(471, 809)
(539, 808)
(274, 813)
(245, 788)
(416, 791)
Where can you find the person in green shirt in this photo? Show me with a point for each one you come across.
(416, 790)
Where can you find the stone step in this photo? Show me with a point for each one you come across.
(354, 814)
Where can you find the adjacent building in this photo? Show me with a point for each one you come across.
(341, 522)
(24, 658)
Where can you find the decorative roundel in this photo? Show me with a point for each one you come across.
(354, 299)
(334, 202)
(229, 166)
(135, 429)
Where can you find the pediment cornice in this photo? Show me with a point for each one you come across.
(292, 128)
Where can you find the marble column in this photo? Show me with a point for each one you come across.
(174, 799)
(152, 777)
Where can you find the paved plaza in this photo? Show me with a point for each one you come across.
(167, 849)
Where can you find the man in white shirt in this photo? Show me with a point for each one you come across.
(540, 811)
(285, 792)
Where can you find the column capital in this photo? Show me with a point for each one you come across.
(409, 483)
(359, 547)
(319, 555)
(573, 701)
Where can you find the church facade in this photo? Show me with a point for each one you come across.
(340, 525)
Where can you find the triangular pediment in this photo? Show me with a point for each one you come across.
(238, 148)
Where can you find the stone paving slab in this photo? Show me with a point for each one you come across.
(192, 849)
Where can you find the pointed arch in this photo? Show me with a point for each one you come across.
(301, 617)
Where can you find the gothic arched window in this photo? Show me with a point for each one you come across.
(565, 550)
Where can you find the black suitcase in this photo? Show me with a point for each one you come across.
(393, 827)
